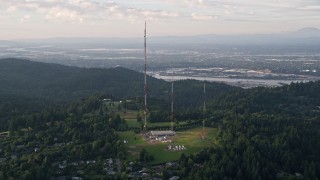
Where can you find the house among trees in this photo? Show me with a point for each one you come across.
(106, 100)
(4, 134)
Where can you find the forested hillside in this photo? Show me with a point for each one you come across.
(52, 121)
(59, 140)
(264, 134)
(58, 83)
(27, 87)
(28, 79)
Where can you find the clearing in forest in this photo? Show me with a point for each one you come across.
(190, 139)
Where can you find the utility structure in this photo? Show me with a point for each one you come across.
(145, 77)
(204, 96)
(204, 106)
(153, 135)
(172, 117)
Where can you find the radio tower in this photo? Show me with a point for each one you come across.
(204, 96)
(145, 77)
(204, 106)
(172, 104)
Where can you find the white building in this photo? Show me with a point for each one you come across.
(163, 133)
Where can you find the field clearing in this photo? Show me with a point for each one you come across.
(135, 124)
(128, 114)
(131, 119)
(191, 139)
(166, 124)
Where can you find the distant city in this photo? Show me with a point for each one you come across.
(245, 61)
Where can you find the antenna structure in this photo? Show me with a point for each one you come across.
(204, 96)
(172, 103)
(145, 76)
(204, 105)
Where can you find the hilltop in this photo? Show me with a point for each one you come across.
(57, 82)
(258, 133)
(53, 82)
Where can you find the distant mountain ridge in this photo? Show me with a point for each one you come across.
(309, 29)
(307, 32)
(308, 35)
(305, 36)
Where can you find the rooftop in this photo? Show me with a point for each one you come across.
(163, 133)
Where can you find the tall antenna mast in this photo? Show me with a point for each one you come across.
(172, 103)
(145, 76)
(204, 96)
(204, 105)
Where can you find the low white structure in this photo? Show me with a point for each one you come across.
(159, 136)
(176, 147)
(163, 133)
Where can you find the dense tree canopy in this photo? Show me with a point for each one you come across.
(264, 134)
(52, 121)
(47, 142)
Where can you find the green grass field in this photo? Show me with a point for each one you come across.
(191, 139)
(131, 119)
(131, 116)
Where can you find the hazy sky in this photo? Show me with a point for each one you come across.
(125, 18)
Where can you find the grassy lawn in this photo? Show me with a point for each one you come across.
(128, 114)
(134, 123)
(191, 139)
(130, 117)
(165, 124)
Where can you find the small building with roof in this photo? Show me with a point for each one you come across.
(162, 133)
(161, 136)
